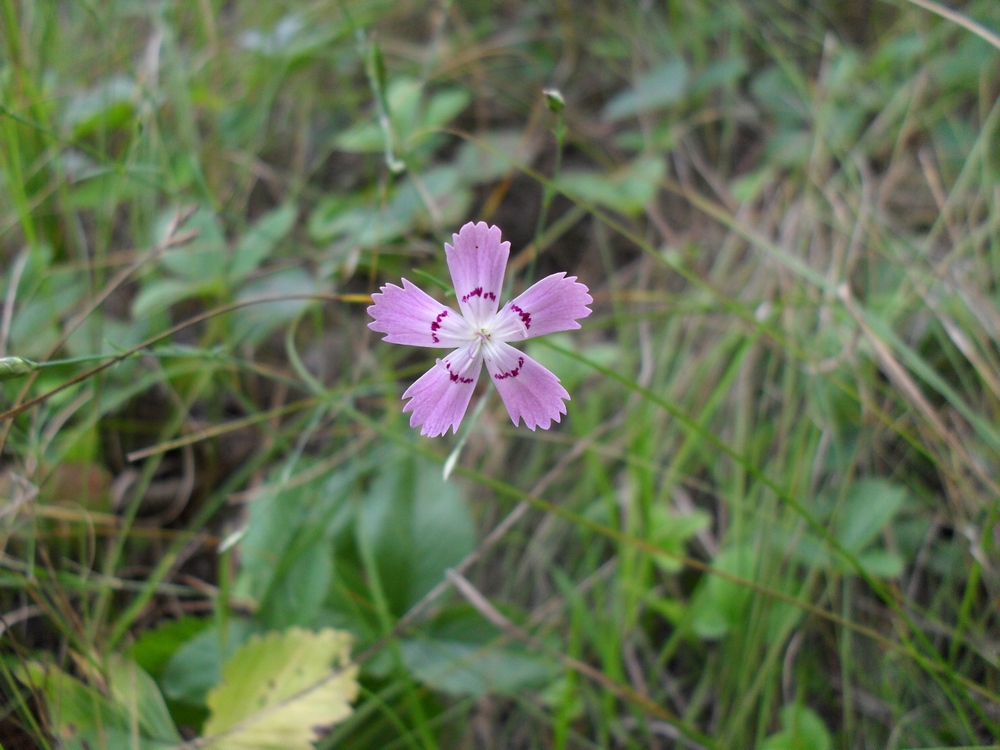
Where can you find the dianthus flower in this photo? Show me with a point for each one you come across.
(440, 398)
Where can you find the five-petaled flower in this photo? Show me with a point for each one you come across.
(479, 334)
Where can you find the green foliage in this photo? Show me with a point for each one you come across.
(131, 714)
(801, 729)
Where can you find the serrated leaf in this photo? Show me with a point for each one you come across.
(281, 690)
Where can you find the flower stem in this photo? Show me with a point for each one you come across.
(555, 103)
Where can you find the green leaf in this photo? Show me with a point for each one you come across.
(299, 590)
(154, 648)
(723, 72)
(253, 323)
(671, 532)
(81, 716)
(158, 295)
(281, 690)
(802, 729)
(493, 155)
(110, 104)
(196, 667)
(444, 107)
(258, 243)
(719, 604)
(626, 190)
(656, 89)
(205, 257)
(417, 526)
(880, 563)
(133, 688)
(286, 552)
(869, 506)
(476, 668)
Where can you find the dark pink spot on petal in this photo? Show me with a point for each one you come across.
(510, 373)
(478, 292)
(455, 377)
(436, 325)
(525, 316)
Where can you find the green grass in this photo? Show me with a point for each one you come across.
(770, 517)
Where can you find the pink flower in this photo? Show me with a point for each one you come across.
(480, 334)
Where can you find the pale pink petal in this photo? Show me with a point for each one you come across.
(553, 304)
(408, 315)
(440, 397)
(529, 391)
(477, 261)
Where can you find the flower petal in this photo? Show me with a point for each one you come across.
(408, 315)
(477, 261)
(553, 304)
(441, 396)
(529, 391)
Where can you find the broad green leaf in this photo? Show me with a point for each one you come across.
(159, 294)
(203, 258)
(802, 729)
(626, 190)
(294, 37)
(403, 101)
(869, 506)
(656, 89)
(671, 532)
(196, 667)
(253, 323)
(282, 526)
(444, 107)
(301, 586)
(475, 669)
(282, 690)
(259, 242)
(720, 73)
(719, 604)
(153, 649)
(417, 526)
(134, 689)
(366, 224)
(880, 563)
(493, 155)
(110, 104)
(83, 717)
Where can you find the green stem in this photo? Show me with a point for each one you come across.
(555, 103)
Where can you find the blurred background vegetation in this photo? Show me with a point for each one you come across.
(769, 518)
